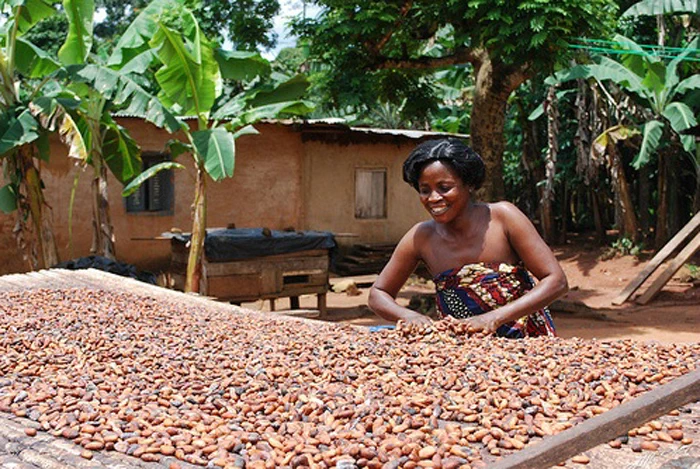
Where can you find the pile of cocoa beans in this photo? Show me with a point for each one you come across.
(140, 375)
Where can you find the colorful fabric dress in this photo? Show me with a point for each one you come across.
(479, 288)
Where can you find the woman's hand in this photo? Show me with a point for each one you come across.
(486, 323)
(416, 318)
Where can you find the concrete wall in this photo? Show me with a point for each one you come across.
(330, 201)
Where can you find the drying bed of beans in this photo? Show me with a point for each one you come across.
(149, 378)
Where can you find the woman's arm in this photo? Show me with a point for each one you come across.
(382, 295)
(538, 259)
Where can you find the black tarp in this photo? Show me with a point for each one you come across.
(107, 265)
(229, 244)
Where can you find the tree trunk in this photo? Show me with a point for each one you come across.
(630, 227)
(661, 235)
(582, 139)
(644, 192)
(565, 201)
(103, 232)
(696, 197)
(102, 229)
(597, 216)
(529, 160)
(674, 190)
(550, 166)
(199, 225)
(696, 164)
(43, 228)
(491, 92)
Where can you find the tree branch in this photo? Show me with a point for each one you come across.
(460, 56)
(518, 75)
(375, 48)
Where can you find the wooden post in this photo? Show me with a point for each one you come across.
(658, 259)
(606, 426)
(677, 263)
(321, 304)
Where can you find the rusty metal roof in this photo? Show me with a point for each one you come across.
(339, 125)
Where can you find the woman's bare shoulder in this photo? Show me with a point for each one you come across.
(506, 212)
(424, 228)
(511, 218)
(418, 235)
(504, 208)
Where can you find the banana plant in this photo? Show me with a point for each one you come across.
(26, 73)
(658, 89)
(655, 85)
(109, 145)
(662, 7)
(96, 125)
(190, 73)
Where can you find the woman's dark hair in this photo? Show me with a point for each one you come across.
(451, 151)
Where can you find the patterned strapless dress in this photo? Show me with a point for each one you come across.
(481, 287)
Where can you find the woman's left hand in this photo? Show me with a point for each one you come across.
(486, 323)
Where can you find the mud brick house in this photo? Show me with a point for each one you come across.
(307, 175)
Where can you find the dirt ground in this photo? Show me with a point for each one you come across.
(672, 317)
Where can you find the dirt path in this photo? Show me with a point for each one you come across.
(673, 317)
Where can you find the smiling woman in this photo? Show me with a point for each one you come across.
(481, 254)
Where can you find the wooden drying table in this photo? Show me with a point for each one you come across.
(270, 277)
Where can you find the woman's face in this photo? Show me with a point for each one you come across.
(442, 192)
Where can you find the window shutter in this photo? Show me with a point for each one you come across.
(136, 202)
(156, 195)
(370, 193)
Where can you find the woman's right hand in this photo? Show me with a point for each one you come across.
(413, 317)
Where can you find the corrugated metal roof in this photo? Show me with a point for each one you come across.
(338, 124)
(405, 133)
(341, 124)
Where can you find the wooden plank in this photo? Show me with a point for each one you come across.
(657, 260)
(236, 286)
(317, 259)
(225, 269)
(270, 281)
(307, 253)
(666, 275)
(606, 426)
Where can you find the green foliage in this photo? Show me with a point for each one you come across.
(693, 271)
(242, 65)
(655, 84)
(662, 7)
(382, 52)
(19, 130)
(245, 23)
(290, 60)
(623, 247)
(29, 12)
(121, 153)
(33, 62)
(189, 77)
(49, 34)
(190, 68)
(217, 149)
(8, 198)
(78, 43)
(126, 91)
(147, 174)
